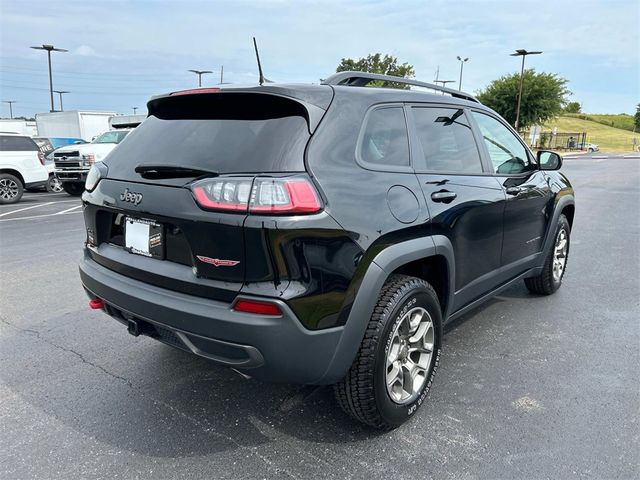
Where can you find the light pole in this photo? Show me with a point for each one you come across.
(134, 110)
(10, 102)
(49, 49)
(200, 73)
(462, 61)
(221, 74)
(60, 92)
(521, 53)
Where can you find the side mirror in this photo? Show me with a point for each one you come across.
(549, 160)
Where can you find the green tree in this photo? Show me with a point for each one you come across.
(636, 118)
(544, 96)
(376, 63)
(573, 107)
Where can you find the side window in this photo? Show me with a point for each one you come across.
(447, 141)
(9, 143)
(385, 140)
(507, 153)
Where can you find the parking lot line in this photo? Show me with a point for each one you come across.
(67, 210)
(37, 216)
(25, 208)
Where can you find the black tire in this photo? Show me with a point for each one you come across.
(11, 189)
(73, 188)
(363, 393)
(54, 185)
(546, 283)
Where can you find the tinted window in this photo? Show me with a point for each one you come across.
(45, 146)
(507, 153)
(385, 141)
(111, 137)
(224, 145)
(447, 141)
(16, 144)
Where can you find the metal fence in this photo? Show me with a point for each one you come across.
(556, 141)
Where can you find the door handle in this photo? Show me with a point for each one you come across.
(514, 190)
(443, 196)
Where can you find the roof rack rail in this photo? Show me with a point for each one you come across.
(361, 79)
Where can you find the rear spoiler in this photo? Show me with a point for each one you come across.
(252, 103)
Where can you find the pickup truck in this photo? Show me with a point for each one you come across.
(73, 162)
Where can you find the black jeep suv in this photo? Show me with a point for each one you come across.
(321, 234)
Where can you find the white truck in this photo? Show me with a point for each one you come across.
(73, 162)
(73, 124)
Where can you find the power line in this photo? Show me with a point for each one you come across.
(111, 92)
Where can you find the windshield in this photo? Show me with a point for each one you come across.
(111, 137)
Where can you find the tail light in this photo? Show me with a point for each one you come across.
(258, 307)
(195, 91)
(41, 157)
(229, 194)
(266, 196)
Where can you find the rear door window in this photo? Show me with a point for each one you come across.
(447, 141)
(9, 143)
(385, 141)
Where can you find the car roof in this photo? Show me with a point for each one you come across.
(321, 95)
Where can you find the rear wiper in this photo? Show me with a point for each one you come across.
(147, 170)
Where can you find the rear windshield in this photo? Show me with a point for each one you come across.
(111, 137)
(226, 146)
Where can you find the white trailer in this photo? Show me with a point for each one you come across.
(73, 124)
(23, 127)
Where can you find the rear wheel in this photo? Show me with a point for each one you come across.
(555, 264)
(11, 189)
(54, 185)
(398, 357)
(73, 188)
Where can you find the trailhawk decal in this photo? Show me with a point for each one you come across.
(216, 262)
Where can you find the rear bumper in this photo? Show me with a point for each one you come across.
(276, 349)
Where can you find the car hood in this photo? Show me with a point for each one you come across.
(100, 150)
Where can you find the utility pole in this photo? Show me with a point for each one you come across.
(49, 49)
(10, 102)
(462, 61)
(60, 92)
(200, 73)
(221, 74)
(521, 53)
(134, 110)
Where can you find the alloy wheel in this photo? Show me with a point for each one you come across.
(8, 189)
(409, 356)
(560, 254)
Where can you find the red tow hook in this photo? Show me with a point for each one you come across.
(96, 303)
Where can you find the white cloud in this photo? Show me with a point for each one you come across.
(157, 42)
(85, 51)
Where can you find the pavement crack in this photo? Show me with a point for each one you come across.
(40, 337)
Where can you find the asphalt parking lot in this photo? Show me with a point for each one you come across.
(528, 387)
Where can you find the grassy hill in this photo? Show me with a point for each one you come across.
(622, 120)
(609, 139)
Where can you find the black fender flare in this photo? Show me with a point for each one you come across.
(382, 265)
(561, 202)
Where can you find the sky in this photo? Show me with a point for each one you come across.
(123, 52)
